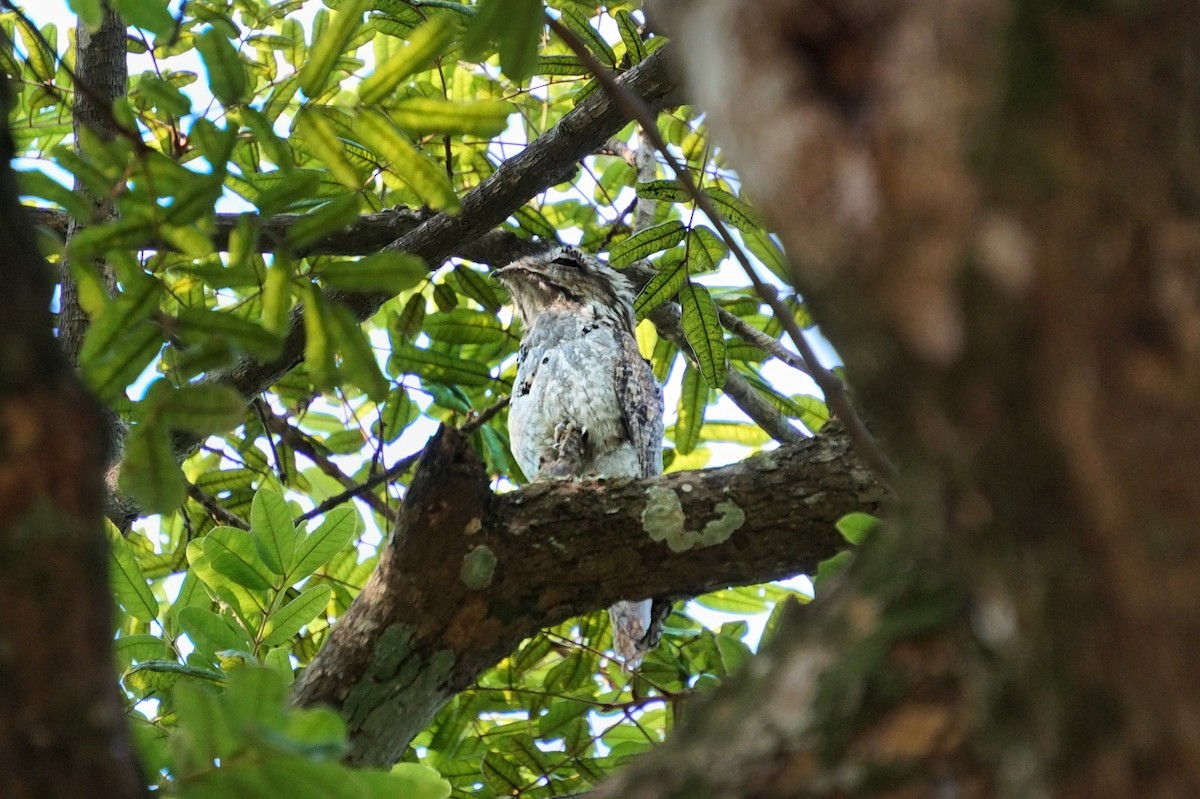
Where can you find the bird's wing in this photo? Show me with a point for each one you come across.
(642, 405)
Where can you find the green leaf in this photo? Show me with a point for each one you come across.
(358, 356)
(233, 554)
(226, 73)
(855, 527)
(88, 11)
(476, 285)
(322, 139)
(693, 400)
(518, 40)
(203, 408)
(735, 210)
(328, 45)
(128, 582)
(388, 271)
(831, 568)
(131, 648)
(211, 632)
(632, 38)
(483, 118)
(274, 535)
(247, 336)
(703, 330)
(439, 367)
(149, 472)
(338, 213)
(668, 191)
(705, 249)
(424, 44)
(671, 276)
(287, 621)
(315, 550)
(464, 326)
(151, 15)
(645, 243)
(591, 38)
(411, 164)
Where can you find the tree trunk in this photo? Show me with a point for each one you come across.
(993, 210)
(62, 719)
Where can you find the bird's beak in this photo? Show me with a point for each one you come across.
(513, 271)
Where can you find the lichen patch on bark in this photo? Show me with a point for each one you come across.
(663, 518)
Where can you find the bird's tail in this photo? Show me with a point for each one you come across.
(633, 632)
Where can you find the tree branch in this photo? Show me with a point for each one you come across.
(467, 574)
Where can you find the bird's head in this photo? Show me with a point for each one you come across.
(566, 279)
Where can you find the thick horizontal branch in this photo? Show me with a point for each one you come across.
(468, 574)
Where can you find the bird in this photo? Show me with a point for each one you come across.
(585, 402)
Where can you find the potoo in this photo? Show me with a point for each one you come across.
(585, 402)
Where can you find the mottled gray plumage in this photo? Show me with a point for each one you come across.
(585, 402)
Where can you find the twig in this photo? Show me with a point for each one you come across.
(262, 416)
(309, 449)
(398, 468)
(756, 338)
(830, 385)
(216, 509)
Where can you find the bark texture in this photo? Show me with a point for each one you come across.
(62, 720)
(993, 210)
(467, 574)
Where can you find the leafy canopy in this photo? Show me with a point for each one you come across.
(243, 113)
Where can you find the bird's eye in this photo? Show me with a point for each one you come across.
(563, 260)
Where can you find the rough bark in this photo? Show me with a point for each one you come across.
(993, 210)
(467, 574)
(103, 74)
(62, 720)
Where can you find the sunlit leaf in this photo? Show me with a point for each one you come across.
(330, 44)
(226, 74)
(645, 243)
(424, 44)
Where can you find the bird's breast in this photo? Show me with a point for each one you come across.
(567, 375)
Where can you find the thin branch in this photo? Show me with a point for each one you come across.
(397, 469)
(301, 443)
(215, 509)
(756, 338)
(830, 385)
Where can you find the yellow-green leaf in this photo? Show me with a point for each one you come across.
(320, 137)
(413, 165)
(735, 210)
(226, 73)
(287, 621)
(424, 44)
(329, 44)
(128, 582)
(483, 118)
(388, 271)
